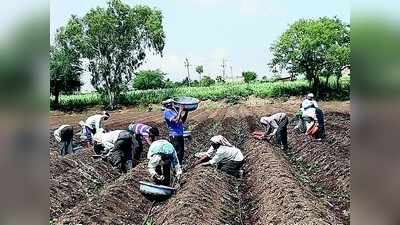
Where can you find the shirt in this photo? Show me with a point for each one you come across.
(95, 121)
(308, 104)
(224, 154)
(108, 139)
(58, 131)
(310, 112)
(175, 128)
(139, 128)
(274, 120)
(162, 146)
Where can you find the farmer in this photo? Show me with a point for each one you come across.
(314, 119)
(227, 157)
(141, 132)
(92, 124)
(308, 102)
(175, 118)
(162, 158)
(275, 125)
(115, 146)
(64, 135)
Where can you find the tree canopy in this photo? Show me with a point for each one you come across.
(149, 79)
(313, 47)
(115, 40)
(249, 76)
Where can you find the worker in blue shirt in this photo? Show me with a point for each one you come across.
(175, 118)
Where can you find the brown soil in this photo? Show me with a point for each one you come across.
(275, 188)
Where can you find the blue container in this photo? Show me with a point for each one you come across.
(188, 103)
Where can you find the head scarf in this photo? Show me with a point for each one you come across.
(219, 139)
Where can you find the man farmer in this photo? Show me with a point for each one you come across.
(115, 146)
(309, 101)
(275, 125)
(64, 135)
(175, 118)
(162, 158)
(92, 124)
(227, 157)
(314, 120)
(141, 132)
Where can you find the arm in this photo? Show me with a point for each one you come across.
(203, 159)
(153, 163)
(57, 135)
(184, 117)
(178, 115)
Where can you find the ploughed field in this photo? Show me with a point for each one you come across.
(308, 185)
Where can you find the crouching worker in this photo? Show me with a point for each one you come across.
(141, 133)
(275, 125)
(315, 125)
(116, 147)
(64, 135)
(227, 157)
(162, 158)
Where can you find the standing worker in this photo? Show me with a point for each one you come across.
(92, 124)
(162, 158)
(275, 125)
(64, 135)
(175, 118)
(116, 146)
(227, 157)
(141, 131)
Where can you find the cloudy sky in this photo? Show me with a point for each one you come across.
(208, 31)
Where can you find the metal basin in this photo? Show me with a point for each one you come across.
(156, 190)
(188, 103)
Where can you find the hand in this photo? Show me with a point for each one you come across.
(181, 108)
(158, 177)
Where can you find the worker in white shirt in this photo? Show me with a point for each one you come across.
(162, 159)
(275, 125)
(64, 135)
(92, 124)
(115, 146)
(314, 120)
(227, 157)
(308, 102)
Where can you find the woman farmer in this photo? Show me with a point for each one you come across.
(64, 135)
(227, 157)
(275, 125)
(115, 146)
(162, 158)
(175, 118)
(141, 132)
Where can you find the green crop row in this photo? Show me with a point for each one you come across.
(215, 92)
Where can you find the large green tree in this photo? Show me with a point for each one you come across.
(249, 76)
(64, 66)
(199, 70)
(115, 40)
(313, 47)
(149, 79)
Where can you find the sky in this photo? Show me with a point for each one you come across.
(208, 31)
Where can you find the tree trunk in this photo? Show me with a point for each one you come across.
(327, 82)
(56, 99)
(337, 83)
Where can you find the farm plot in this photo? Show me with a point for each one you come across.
(274, 188)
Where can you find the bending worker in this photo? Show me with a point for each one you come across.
(227, 157)
(162, 158)
(307, 103)
(64, 135)
(115, 146)
(175, 119)
(314, 119)
(92, 124)
(141, 132)
(275, 125)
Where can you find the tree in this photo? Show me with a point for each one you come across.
(220, 79)
(115, 40)
(207, 81)
(313, 47)
(249, 76)
(64, 66)
(199, 70)
(149, 79)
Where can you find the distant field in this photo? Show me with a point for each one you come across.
(216, 92)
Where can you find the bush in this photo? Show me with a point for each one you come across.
(249, 76)
(206, 81)
(149, 79)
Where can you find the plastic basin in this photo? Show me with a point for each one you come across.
(156, 190)
(188, 103)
